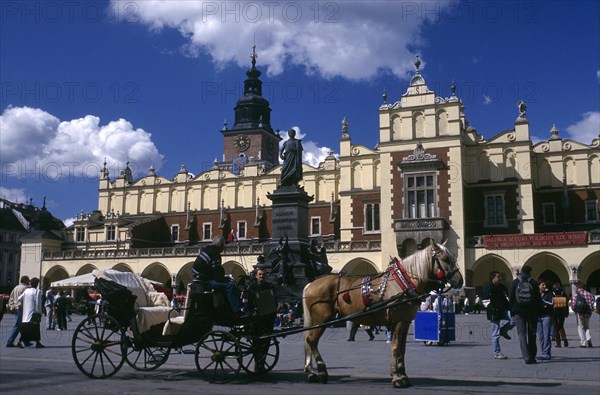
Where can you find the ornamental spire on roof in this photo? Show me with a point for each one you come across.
(253, 56)
(417, 79)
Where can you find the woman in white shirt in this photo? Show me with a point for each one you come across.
(31, 300)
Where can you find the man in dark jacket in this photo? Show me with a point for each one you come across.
(525, 305)
(498, 309)
(207, 267)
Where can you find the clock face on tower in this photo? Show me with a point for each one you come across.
(241, 142)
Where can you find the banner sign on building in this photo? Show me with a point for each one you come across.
(535, 240)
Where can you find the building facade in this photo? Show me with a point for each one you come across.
(499, 203)
(18, 222)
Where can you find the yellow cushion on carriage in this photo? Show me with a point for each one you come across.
(173, 325)
(147, 317)
(158, 299)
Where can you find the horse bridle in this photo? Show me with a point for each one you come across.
(442, 276)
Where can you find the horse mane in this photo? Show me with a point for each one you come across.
(418, 265)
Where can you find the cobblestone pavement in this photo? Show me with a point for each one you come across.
(464, 366)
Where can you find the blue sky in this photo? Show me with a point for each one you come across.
(153, 81)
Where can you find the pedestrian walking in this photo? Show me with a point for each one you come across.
(495, 295)
(15, 306)
(31, 300)
(525, 305)
(49, 306)
(582, 303)
(561, 311)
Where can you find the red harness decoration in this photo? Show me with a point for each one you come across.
(402, 278)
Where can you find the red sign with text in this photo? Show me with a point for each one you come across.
(535, 240)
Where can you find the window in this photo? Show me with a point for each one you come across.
(175, 232)
(420, 195)
(494, 210)
(315, 226)
(79, 234)
(549, 213)
(206, 230)
(372, 217)
(241, 229)
(591, 211)
(111, 233)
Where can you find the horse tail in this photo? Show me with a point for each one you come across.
(305, 308)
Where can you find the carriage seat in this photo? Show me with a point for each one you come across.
(157, 311)
(174, 323)
(152, 307)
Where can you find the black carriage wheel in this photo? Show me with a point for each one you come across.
(218, 357)
(250, 356)
(98, 347)
(146, 358)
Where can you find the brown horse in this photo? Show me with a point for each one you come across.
(394, 295)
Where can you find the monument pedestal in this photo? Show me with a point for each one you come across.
(290, 221)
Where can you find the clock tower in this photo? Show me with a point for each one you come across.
(251, 135)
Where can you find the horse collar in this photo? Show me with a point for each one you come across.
(402, 278)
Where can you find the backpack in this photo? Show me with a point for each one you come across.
(581, 305)
(524, 292)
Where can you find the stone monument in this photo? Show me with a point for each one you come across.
(290, 214)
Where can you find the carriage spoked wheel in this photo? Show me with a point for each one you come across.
(98, 347)
(146, 358)
(218, 357)
(259, 356)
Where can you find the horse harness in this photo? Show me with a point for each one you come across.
(398, 272)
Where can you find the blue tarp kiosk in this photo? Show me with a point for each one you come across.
(436, 327)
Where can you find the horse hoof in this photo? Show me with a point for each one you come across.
(323, 378)
(402, 383)
(313, 378)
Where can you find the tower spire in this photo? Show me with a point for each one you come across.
(254, 56)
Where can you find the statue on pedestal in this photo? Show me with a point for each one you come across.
(282, 261)
(291, 154)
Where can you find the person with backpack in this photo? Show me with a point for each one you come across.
(561, 311)
(582, 303)
(525, 305)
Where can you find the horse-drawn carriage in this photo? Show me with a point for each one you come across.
(137, 326)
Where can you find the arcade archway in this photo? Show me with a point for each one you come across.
(360, 267)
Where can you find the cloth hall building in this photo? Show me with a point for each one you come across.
(500, 202)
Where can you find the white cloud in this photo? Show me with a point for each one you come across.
(347, 39)
(312, 154)
(587, 129)
(487, 99)
(598, 75)
(15, 195)
(69, 221)
(34, 141)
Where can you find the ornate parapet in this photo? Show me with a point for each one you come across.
(419, 229)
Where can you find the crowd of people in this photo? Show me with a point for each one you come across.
(538, 310)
